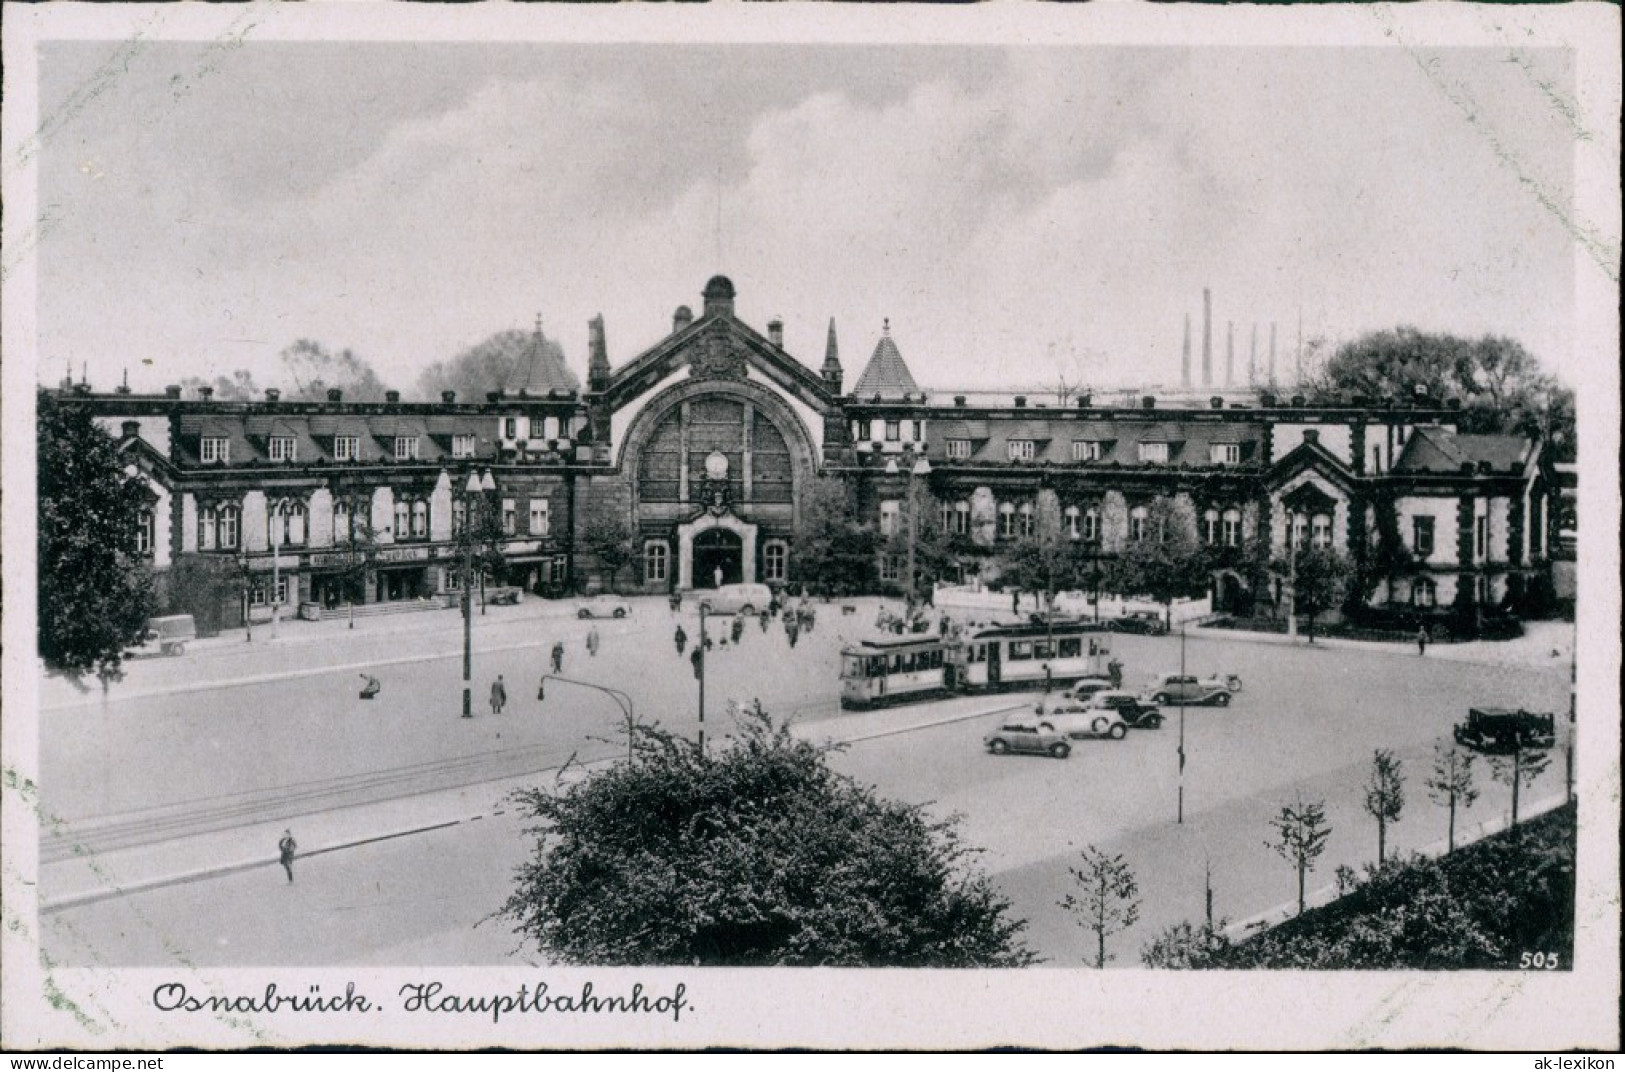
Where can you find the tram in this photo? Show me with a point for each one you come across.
(1013, 656)
(912, 667)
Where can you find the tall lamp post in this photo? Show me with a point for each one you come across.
(248, 595)
(1181, 813)
(621, 699)
(474, 493)
(699, 672)
(1292, 574)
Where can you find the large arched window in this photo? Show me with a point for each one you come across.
(1091, 524)
(1320, 530)
(286, 524)
(775, 563)
(1071, 519)
(1007, 520)
(1231, 527)
(1210, 527)
(1024, 519)
(1424, 593)
(655, 558)
(217, 527)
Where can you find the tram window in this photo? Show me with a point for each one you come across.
(877, 666)
(936, 659)
(1093, 650)
(1043, 649)
(1071, 647)
(1021, 649)
(852, 666)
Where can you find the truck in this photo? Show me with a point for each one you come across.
(167, 635)
(1501, 730)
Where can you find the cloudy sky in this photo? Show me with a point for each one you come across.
(1018, 213)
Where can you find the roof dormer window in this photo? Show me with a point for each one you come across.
(1023, 450)
(283, 448)
(215, 449)
(346, 448)
(406, 448)
(1154, 453)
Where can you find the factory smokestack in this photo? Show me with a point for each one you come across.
(1207, 337)
(1185, 364)
(1272, 353)
(1229, 353)
(1252, 359)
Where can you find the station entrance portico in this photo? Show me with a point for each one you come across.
(710, 544)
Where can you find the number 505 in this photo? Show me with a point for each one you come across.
(1548, 961)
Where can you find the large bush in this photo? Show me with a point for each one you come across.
(755, 854)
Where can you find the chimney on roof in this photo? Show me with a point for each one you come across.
(205, 393)
(1215, 402)
(1311, 435)
(335, 394)
(172, 391)
(1084, 400)
(1230, 353)
(1148, 402)
(959, 400)
(682, 318)
(832, 362)
(1252, 358)
(272, 394)
(719, 296)
(1207, 337)
(1486, 466)
(124, 387)
(392, 396)
(775, 332)
(130, 429)
(448, 397)
(1021, 401)
(1185, 355)
(597, 355)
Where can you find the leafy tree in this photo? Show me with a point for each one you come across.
(357, 548)
(1108, 898)
(1039, 563)
(1167, 563)
(496, 363)
(237, 387)
(610, 541)
(1320, 581)
(1452, 783)
(1300, 838)
(756, 854)
(1183, 946)
(95, 590)
(1385, 558)
(1385, 796)
(202, 586)
(1521, 768)
(1501, 385)
(314, 370)
(832, 551)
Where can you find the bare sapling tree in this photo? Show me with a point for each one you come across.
(1107, 900)
(1384, 796)
(1300, 838)
(1451, 784)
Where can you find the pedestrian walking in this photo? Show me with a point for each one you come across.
(592, 641)
(738, 629)
(676, 602)
(499, 695)
(285, 850)
(791, 631)
(1114, 670)
(1015, 601)
(681, 639)
(558, 657)
(764, 617)
(1422, 639)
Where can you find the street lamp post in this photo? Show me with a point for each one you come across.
(248, 596)
(1181, 813)
(701, 675)
(621, 699)
(277, 521)
(1292, 574)
(473, 494)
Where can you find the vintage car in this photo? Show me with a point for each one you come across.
(1143, 622)
(735, 599)
(1502, 730)
(604, 606)
(1133, 710)
(1167, 689)
(1078, 721)
(1084, 688)
(1027, 737)
(167, 635)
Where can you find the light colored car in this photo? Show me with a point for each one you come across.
(1077, 721)
(604, 606)
(735, 599)
(167, 635)
(1029, 738)
(1166, 689)
(1084, 688)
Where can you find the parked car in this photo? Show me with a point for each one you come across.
(1502, 730)
(167, 635)
(1143, 622)
(604, 606)
(1132, 709)
(735, 599)
(1084, 688)
(1027, 737)
(1079, 721)
(1168, 689)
